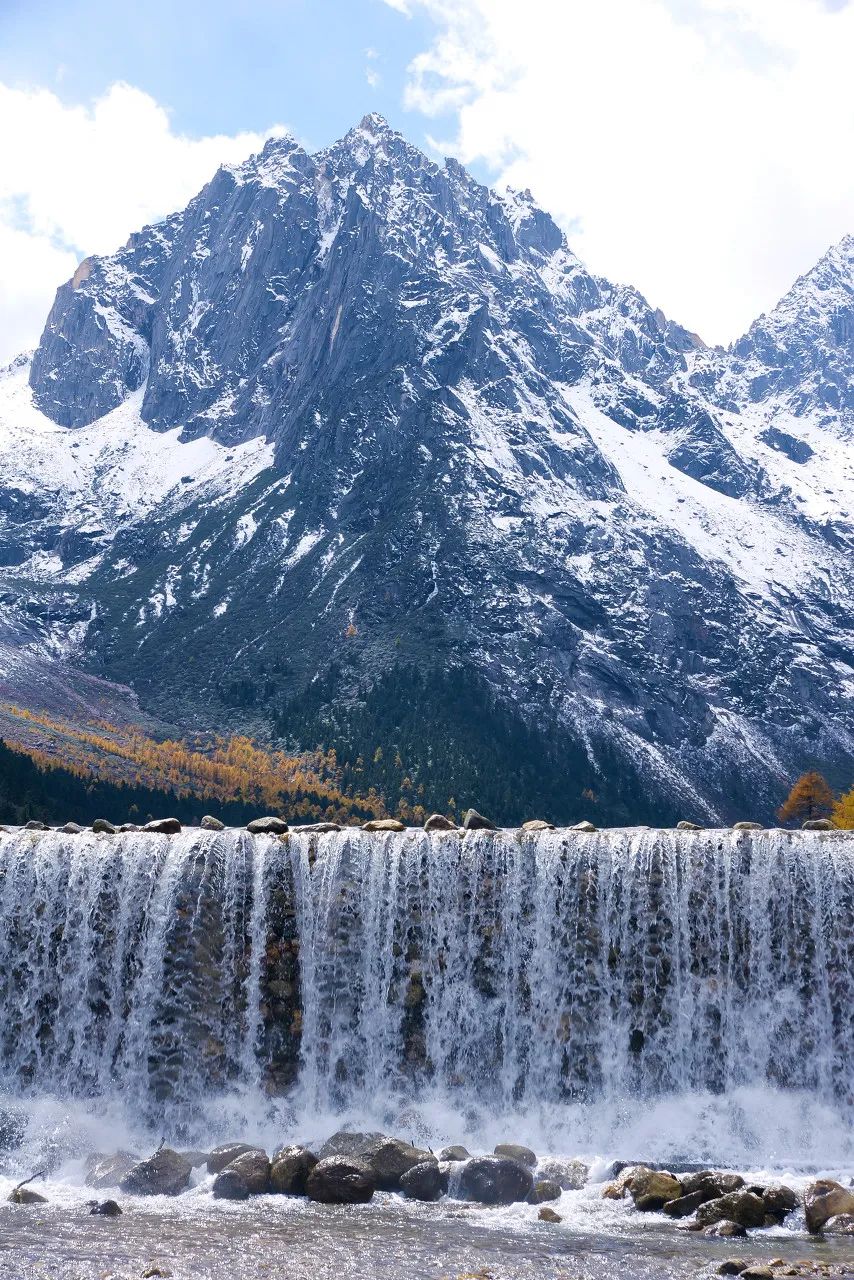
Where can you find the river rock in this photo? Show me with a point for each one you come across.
(684, 1206)
(779, 1201)
(269, 826)
(230, 1185)
(474, 821)
(209, 823)
(548, 1215)
(757, 1272)
(163, 826)
(383, 824)
(254, 1168)
(425, 1181)
(651, 1189)
(104, 827)
(583, 826)
(538, 824)
(712, 1182)
(747, 826)
(731, 1267)
(105, 1208)
(290, 1169)
(826, 1199)
(742, 1206)
(570, 1175)
(224, 1155)
(684, 825)
(840, 1225)
(390, 1159)
(818, 824)
(438, 822)
(454, 1154)
(543, 1190)
(129, 826)
(23, 1195)
(347, 1142)
(495, 1180)
(166, 1173)
(725, 1230)
(35, 825)
(108, 1171)
(341, 1180)
(620, 1185)
(71, 829)
(317, 828)
(512, 1149)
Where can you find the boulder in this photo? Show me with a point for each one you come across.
(711, 1182)
(383, 824)
(105, 1208)
(570, 1175)
(688, 826)
(818, 824)
(731, 1267)
(747, 826)
(454, 1154)
(616, 1190)
(71, 829)
(548, 1215)
(290, 1169)
(108, 1171)
(163, 826)
(317, 828)
(390, 1159)
(779, 1201)
(209, 823)
(684, 1206)
(824, 1200)
(35, 825)
(425, 1181)
(230, 1185)
(651, 1189)
(224, 1155)
(840, 1225)
(104, 827)
(341, 1180)
(23, 1195)
(743, 1206)
(515, 1152)
(254, 1168)
(166, 1173)
(757, 1272)
(537, 824)
(348, 1143)
(438, 822)
(543, 1190)
(129, 826)
(725, 1230)
(583, 826)
(495, 1180)
(474, 821)
(269, 826)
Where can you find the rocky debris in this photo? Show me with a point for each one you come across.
(651, 1189)
(227, 1153)
(209, 823)
(570, 1175)
(474, 821)
(347, 1142)
(290, 1169)
(251, 1171)
(731, 1267)
(438, 822)
(163, 826)
(23, 1195)
(548, 1215)
(543, 1190)
(747, 826)
(538, 824)
(341, 1180)
(743, 1206)
(105, 1208)
(515, 1152)
(688, 826)
(269, 826)
(725, 1230)
(779, 1201)
(842, 1224)
(583, 826)
(102, 826)
(825, 1199)
(71, 829)
(425, 1181)
(390, 1159)
(495, 1180)
(383, 824)
(166, 1173)
(108, 1171)
(818, 824)
(454, 1154)
(35, 825)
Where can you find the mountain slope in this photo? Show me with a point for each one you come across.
(352, 414)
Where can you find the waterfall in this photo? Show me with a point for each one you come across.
(497, 972)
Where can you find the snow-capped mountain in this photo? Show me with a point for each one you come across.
(352, 413)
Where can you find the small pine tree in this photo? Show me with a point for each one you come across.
(843, 811)
(810, 797)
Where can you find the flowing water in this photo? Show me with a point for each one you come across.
(625, 994)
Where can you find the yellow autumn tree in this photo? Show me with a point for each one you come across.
(843, 811)
(810, 797)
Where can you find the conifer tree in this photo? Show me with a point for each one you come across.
(810, 797)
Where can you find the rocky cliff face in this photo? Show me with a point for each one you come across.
(352, 413)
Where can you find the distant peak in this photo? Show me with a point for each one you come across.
(374, 123)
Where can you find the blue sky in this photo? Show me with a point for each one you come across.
(698, 149)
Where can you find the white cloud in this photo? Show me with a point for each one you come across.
(76, 180)
(700, 149)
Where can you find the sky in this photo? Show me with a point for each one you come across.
(700, 150)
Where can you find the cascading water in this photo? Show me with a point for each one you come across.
(603, 989)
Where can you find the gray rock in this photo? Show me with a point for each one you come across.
(725, 1230)
(390, 1159)
(341, 1180)
(731, 1267)
(688, 826)
(209, 823)
(290, 1169)
(35, 825)
(523, 1154)
(108, 1171)
(166, 1173)
(383, 824)
(163, 826)
(438, 822)
(230, 1185)
(348, 1143)
(105, 1208)
(129, 826)
(424, 1181)
(317, 828)
(71, 829)
(742, 1206)
(102, 826)
(818, 824)
(23, 1195)
(779, 1201)
(548, 1215)
(454, 1154)
(826, 1199)
(684, 1206)
(543, 1190)
(537, 824)
(224, 1155)
(840, 1225)
(270, 826)
(570, 1175)
(583, 826)
(747, 826)
(712, 1182)
(495, 1180)
(474, 821)
(254, 1169)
